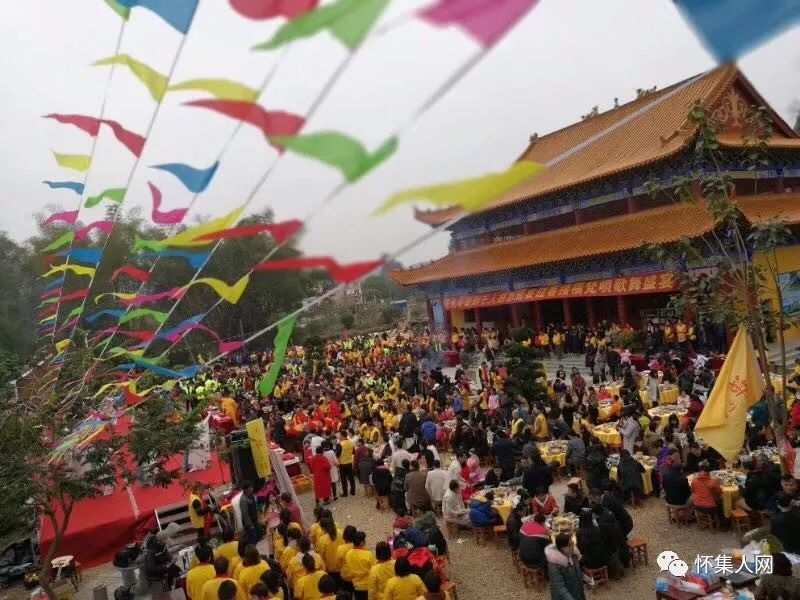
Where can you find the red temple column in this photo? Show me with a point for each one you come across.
(516, 320)
(487, 238)
(429, 308)
(578, 216)
(478, 323)
(567, 312)
(590, 312)
(622, 310)
(527, 228)
(632, 204)
(537, 312)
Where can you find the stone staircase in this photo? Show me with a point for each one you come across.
(568, 361)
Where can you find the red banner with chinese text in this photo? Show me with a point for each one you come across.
(615, 286)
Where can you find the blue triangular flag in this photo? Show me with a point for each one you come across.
(730, 28)
(54, 283)
(69, 185)
(84, 255)
(114, 312)
(194, 259)
(195, 180)
(178, 13)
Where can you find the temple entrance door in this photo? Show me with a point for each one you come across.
(552, 312)
(577, 307)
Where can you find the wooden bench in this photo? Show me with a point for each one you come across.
(638, 548)
(600, 576)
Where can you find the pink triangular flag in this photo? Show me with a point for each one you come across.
(485, 20)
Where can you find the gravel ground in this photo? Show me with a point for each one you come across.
(486, 571)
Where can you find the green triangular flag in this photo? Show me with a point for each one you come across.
(267, 383)
(113, 194)
(158, 315)
(143, 244)
(122, 11)
(349, 21)
(338, 150)
(77, 311)
(65, 239)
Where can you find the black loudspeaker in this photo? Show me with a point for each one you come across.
(243, 467)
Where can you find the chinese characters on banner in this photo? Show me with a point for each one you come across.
(615, 286)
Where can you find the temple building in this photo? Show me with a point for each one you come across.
(566, 247)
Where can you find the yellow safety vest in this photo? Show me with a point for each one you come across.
(196, 520)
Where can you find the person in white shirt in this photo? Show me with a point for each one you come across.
(436, 482)
(684, 400)
(454, 470)
(399, 455)
(453, 507)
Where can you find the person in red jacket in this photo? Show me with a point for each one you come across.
(544, 503)
(321, 472)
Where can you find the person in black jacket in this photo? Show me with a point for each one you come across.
(513, 525)
(574, 500)
(676, 486)
(619, 553)
(158, 565)
(533, 541)
(503, 450)
(594, 551)
(596, 467)
(538, 475)
(408, 424)
(785, 524)
(612, 502)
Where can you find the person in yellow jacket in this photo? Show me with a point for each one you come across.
(197, 577)
(308, 587)
(329, 543)
(405, 585)
(290, 551)
(210, 590)
(381, 572)
(251, 568)
(540, 429)
(357, 565)
(234, 562)
(197, 509)
(229, 547)
(295, 569)
(348, 537)
(230, 408)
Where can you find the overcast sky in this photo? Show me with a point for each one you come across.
(565, 57)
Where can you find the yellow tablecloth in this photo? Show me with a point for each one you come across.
(559, 457)
(613, 438)
(669, 396)
(504, 509)
(664, 419)
(730, 494)
(645, 399)
(647, 478)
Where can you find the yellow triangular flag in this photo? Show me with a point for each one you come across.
(231, 293)
(469, 194)
(187, 238)
(224, 89)
(62, 345)
(739, 386)
(155, 82)
(76, 162)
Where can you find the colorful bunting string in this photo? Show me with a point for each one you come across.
(469, 194)
(260, 10)
(61, 240)
(171, 217)
(91, 125)
(69, 216)
(131, 271)
(155, 82)
(222, 89)
(84, 255)
(285, 328)
(349, 21)
(67, 185)
(187, 238)
(178, 14)
(486, 21)
(729, 28)
(77, 269)
(271, 123)
(194, 180)
(339, 273)
(340, 151)
(104, 226)
(193, 259)
(76, 162)
(280, 232)
(113, 194)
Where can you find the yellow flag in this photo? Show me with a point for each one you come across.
(46, 319)
(231, 293)
(224, 89)
(155, 82)
(76, 162)
(77, 269)
(738, 387)
(120, 295)
(62, 345)
(187, 237)
(469, 194)
(258, 445)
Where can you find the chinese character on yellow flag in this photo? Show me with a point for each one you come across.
(258, 446)
(739, 386)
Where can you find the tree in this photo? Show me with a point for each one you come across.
(347, 319)
(733, 290)
(50, 463)
(526, 375)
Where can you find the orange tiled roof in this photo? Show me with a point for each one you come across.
(436, 217)
(660, 226)
(660, 131)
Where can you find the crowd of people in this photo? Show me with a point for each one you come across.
(362, 410)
